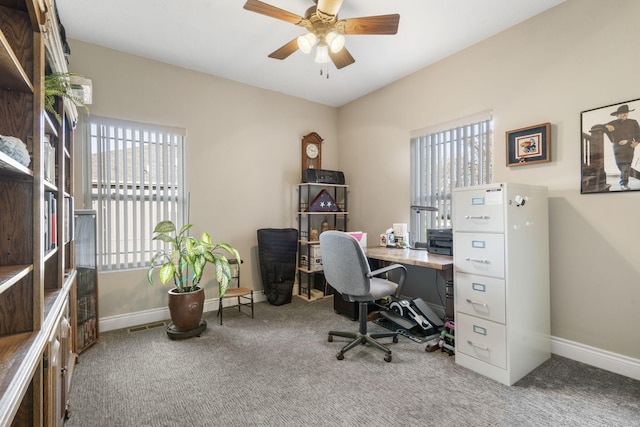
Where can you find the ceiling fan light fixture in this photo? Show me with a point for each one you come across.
(335, 40)
(306, 42)
(322, 53)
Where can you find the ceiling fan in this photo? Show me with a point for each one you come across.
(325, 30)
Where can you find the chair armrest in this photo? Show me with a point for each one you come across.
(403, 275)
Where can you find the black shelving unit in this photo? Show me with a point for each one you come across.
(314, 209)
(87, 330)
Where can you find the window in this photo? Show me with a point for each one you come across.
(443, 157)
(134, 179)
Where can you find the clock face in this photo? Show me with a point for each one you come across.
(312, 151)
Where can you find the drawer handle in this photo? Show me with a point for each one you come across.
(481, 347)
(476, 217)
(477, 303)
(483, 261)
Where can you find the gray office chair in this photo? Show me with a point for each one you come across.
(347, 270)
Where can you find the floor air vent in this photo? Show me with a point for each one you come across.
(147, 327)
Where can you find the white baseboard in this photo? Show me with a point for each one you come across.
(144, 317)
(597, 357)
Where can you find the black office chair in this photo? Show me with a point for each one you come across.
(347, 271)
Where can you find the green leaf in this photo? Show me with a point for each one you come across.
(164, 237)
(166, 272)
(210, 256)
(198, 266)
(150, 276)
(222, 288)
(227, 247)
(223, 275)
(206, 238)
(189, 246)
(174, 257)
(185, 228)
(165, 226)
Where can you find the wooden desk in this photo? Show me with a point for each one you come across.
(443, 264)
(411, 257)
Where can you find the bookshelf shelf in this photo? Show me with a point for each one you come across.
(11, 274)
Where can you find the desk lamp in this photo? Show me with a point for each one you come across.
(419, 225)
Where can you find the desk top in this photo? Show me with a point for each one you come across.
(411, 257)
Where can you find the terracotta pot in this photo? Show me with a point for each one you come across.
(186, 309)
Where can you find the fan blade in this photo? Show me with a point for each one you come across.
(329, 7)
(272, 11)
(382, 24)
(342, 58)
(285, 50)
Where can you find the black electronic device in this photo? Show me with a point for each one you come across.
(427, 312)
(322, 176)
(440, 241)
(415, 315)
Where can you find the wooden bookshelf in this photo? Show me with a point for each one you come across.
(36, 280)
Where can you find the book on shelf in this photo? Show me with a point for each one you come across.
(68, 220)
(53, 218)
(47, 225)
(49, 160)
(50, 218)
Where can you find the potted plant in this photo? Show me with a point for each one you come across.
(59, 85)
(183, 259)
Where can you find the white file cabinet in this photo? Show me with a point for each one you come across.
(501, 279)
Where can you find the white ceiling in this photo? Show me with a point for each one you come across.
(221, 38)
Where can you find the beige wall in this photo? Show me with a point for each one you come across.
(577, 56)
(242, 155)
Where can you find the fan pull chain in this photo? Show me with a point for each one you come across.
(327, 73)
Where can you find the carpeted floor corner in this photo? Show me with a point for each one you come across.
(280, 370)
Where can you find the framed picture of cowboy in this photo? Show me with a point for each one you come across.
(609, 158)
(529, 145)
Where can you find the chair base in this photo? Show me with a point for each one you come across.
(359, 338)
(362, 337)
(242, 300)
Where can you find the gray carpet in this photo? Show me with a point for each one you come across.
(279, 370)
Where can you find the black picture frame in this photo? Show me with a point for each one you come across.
(606, 152)
(529, 145)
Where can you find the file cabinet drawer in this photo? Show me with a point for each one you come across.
(481, 296)
(479, 210)
(477, 253)
(482, 339)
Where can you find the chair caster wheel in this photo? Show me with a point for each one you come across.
(395, 339)
(387, 358)
(330, 339)
(340, 356)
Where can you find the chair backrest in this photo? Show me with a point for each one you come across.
(344, 263)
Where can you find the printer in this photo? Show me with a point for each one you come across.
(440, 241)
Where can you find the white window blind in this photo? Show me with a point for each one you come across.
(134, 179)
(444, 157)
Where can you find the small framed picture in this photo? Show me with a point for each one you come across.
(608, 153)
(529, 145)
